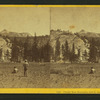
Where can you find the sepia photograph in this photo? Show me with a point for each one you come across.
(24, 47)
(49, 47)
(75, 42)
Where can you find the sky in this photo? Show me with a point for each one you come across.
(25, 19)
(75, 19)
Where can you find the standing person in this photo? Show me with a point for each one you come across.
(25, 65)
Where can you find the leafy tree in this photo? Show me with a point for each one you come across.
(66, 51)
(85, 55)
(78, 55)
(93, 51)
(41, 53)
(72, 54)
(0, 53)
(57, 50)
(51, 53)
(7, 54)
(63, 52)
(15, 51)
(35, 52)
(47, 52)
(26, 46)
(78, 52)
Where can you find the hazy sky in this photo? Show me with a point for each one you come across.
(76, 18)
(25, 19)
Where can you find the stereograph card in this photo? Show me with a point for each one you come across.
(50, 49)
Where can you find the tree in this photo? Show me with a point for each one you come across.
(1, 53)
(51, 53)
(72, 54)
(7, 54)
(63, 53)
(57, 50)
(47, 52)
(78, 55)
(66, 51)
(15, 51)
(93, 51)
(78, 52)
(26, 46)
(41, 53)
(35, 52)
(85, 55)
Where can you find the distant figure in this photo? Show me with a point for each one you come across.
(25, 65)
(15, 70)
(92, 70)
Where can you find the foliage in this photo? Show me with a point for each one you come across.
(57, 50)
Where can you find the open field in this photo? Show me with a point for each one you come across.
(38, 76)
(74, 76)
(50, 76)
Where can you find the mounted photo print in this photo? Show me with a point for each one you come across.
(49, 49)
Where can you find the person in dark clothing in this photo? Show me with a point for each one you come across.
(25, 65)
